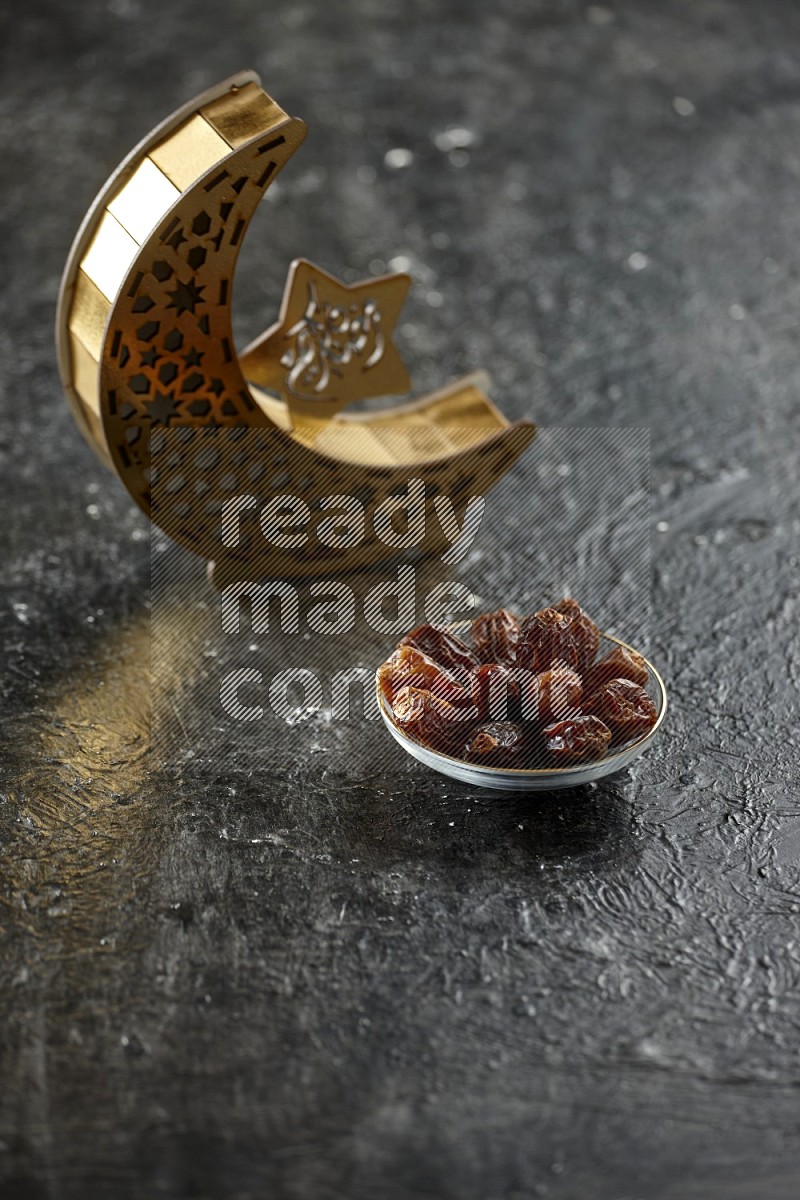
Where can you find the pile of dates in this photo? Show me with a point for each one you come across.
(519, 693)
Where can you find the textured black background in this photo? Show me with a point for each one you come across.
(339, 977)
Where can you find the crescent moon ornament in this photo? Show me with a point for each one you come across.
(148, 361)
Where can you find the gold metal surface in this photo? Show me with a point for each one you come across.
(452, 419)
(243, 113)
(85, 371)
(194, 148)
(110, 256)
(141, 203)
(87, 320)
(146, 348)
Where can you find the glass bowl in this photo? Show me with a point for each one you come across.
(535, 779)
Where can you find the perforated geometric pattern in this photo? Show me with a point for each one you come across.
(182, 427)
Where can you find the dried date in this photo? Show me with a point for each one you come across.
(429, 718)
(559, 691)
(497, 744)
(495, 691)
(547, 638)
(619, 663)
(495, 636)
(625, 707)
(578, 739)
(585, 632)
(410, 667)
(443, 647)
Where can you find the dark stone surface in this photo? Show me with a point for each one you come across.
(328, 974)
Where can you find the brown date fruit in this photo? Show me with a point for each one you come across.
(429, 719)
(619, 663)
(559, 692)
(578, 739)
(625, 707)
(586, 633)
(495, 636)
(495, 691)
(497, 744)
(410, 667)
(545, 638)
(443, 647)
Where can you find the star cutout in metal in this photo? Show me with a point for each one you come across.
(186, 296)
(162, 408)
(333, 342)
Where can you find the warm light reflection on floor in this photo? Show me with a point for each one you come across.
(85, 841)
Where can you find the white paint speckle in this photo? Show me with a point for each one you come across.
(683, 107)
(21, 612)
(398, 158)
(400, 262)
(736, 312)
(638, 261)
(455, 137)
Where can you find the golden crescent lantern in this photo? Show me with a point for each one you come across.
(148, 361)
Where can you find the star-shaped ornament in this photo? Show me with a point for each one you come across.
(333, 342)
